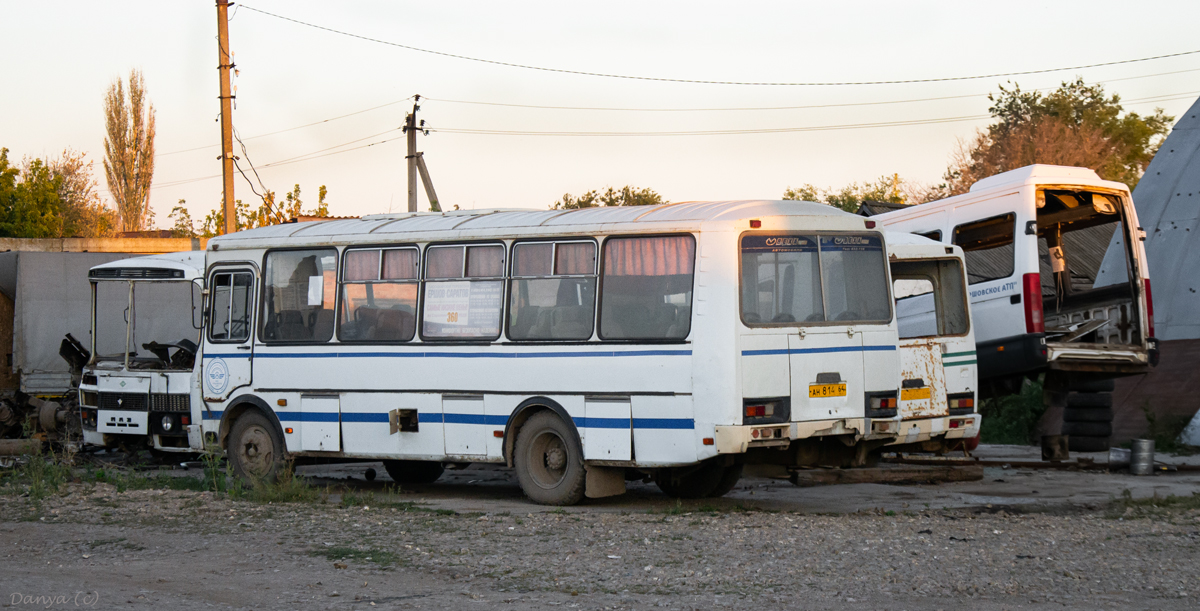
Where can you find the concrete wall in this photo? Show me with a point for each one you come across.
(142, 246)
(1171, 390)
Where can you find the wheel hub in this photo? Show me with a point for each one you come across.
(556, 459)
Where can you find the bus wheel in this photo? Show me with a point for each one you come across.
(728, 480)
(549, 461)
(413, 471)
(694, 482)
(255, 450)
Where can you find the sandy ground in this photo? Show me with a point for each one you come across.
(1018, 538)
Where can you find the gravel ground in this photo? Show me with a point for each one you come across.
(193, 550)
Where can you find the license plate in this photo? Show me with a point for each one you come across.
(914, 394)
(826, 390)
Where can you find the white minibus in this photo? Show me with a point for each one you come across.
(937, 344)
(580, 347)
(1035, 239)
(138, 385)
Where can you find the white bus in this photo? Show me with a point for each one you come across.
(938, 365)
(1058, 285)
(137, 387)
(579, 347)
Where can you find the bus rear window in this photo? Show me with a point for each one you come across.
(930, 298)
(794, 278)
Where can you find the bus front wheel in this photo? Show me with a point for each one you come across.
(549, 461)
(254, 449)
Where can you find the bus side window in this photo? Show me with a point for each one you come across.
(299, 295)
(230, 312)
(988, 245)
(553, 291)
(646, 292)
(464, 291)
(379, 295)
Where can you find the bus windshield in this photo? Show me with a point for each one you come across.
(814, 278)
(153, 324)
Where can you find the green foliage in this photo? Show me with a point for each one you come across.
(129, 150)
(51, 199)
(269, 212)
(1166, 432)
(1077, 125)
(287, 488)
(1155, 507)
(627, 196)
(1013, 419)
(42, 476)
(849, 198)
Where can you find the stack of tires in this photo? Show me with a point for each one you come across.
(1088, 417)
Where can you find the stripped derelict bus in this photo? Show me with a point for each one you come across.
(580, 347)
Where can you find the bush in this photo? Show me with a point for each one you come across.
(1013, 419)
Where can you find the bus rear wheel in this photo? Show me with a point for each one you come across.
(694, 482)
(549, 461)
(413, 471)
(254, 449)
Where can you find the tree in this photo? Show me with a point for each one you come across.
(129, 151)
(627, 196)
(29, 203)
(885, 189)
(1076, 125)
(268, 213)
(83, 213)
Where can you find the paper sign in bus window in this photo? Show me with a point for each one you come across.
(316, 290)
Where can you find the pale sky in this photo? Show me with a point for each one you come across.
(59, 58)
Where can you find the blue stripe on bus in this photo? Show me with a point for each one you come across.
(466, 355)
(781, 351)
(586, 423)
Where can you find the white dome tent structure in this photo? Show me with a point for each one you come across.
(1168, 204)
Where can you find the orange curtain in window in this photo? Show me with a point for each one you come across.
(362, 265)
(662, 256)
(400, 264)
(575, 259)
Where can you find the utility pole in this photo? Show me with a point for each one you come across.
(226, 115)
(416, 161)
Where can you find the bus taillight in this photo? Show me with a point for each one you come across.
(1035, 322)
(1149, 311)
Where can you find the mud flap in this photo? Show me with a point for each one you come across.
(604, 481)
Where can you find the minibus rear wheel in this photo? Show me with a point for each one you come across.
(413, 471)
(254, 449)
(728, 480)
(549, 461)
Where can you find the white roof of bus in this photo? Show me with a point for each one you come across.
(912, 246)
(1041, 173)
(190, 262)
(382, 227)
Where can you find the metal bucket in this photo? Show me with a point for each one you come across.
(1141, 458)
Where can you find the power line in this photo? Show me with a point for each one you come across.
(710, 82)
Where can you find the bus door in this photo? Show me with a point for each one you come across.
(827, 373)
(228, 347)
(934, 326)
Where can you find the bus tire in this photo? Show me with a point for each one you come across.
(254, 449)
(413, 471)
(1088, 444)
(1108, 385)
(694, 482)
(549, 461)
(1090, 399)
(1087, 429)
(1088, 414)
(728, 480)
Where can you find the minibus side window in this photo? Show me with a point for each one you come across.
(229, 313)
(935, 235)
(464, 292)
(988, 245)
(379, 295)
(646, 291)
(552, 294)
(298, 296)
(930, 298)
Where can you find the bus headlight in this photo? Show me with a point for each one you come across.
(167, 424)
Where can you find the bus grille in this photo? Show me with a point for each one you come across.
(170, 403)
(127, 401)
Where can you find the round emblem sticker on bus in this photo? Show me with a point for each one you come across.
(216, 376)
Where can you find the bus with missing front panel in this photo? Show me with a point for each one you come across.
(581, 348)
